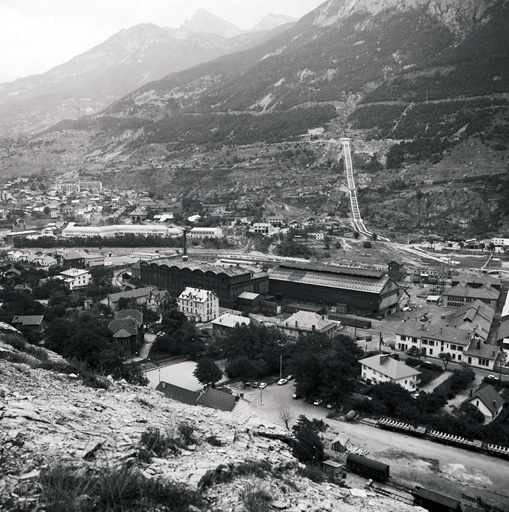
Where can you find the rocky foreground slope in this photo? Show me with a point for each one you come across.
(52, 420)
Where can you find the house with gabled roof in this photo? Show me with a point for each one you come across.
(144, 295)
(127, 329)
(34, 323)
(488, 401)
(217, 399)
(462, 293)
(198, 305)
(307, 322)
(466, 346)
(383, 368)
(228, 321)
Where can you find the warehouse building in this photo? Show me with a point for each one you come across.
(360, 291)
(226, 282)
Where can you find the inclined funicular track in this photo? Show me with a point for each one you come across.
(352, 189)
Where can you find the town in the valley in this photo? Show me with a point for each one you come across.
(389, 343)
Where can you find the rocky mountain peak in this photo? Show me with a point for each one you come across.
(272, 20)
(204, 22)
(459, 15)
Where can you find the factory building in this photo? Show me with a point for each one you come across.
(226, 282)
(360, 291)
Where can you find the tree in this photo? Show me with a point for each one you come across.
(286, 415)
(367, 244)
(207, 372)
(242, 368)
(415, 352)
(308, 447)
(356, 234)
(446, 358)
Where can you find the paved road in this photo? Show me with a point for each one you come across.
(413, 461)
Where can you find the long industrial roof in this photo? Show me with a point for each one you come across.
(204, 267)
(351, 271)
(362, 283)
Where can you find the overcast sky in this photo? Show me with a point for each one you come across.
(36, 35)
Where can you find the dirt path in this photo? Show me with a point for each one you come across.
(413, 461)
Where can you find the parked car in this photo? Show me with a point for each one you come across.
(295, 396)
(255, 384)
(290, 377)
(318, 401)
(331, 405)
(262, 385)
(281, 382)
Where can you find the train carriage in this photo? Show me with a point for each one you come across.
(367, 467)
(435, 502)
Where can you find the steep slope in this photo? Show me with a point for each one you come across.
(124, 62)
(58, 436)
(415, 82)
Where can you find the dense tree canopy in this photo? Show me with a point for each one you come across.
(262, 345)
(325, 367)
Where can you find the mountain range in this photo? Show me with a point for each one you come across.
(416, 83)
(127, 60)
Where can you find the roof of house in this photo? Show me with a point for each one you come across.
(486, 291)
(474, 279)
(483, 350)
(434, 332)
(217, 399)
(130, 313)
(248, 295)
(72, 255)
(74, 272)
(131, 294)
(489, 397)
(196, 294)
(503, 330)
(229, 320)
(124, 324)
(307, 321)
(362, 280)
(186, 396)
(389, 367)
(122, 333)
(473, 315)
(28, 320)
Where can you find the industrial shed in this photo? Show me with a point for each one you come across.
(227, 282)
(365, 292)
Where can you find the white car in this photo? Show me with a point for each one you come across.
(281, 382)
(318, 401)
(262, 385)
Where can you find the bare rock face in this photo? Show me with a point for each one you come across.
(48, 418)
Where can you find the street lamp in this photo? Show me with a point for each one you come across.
(261, 396)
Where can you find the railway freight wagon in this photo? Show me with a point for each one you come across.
(435, 502)
(367, 467)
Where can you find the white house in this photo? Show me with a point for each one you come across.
(465, 346)
(206, 232)
(383, 368)
(307, 322)
(76, 278)
(198, 305)
(227, 321)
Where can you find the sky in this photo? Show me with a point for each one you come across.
(36, 35)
